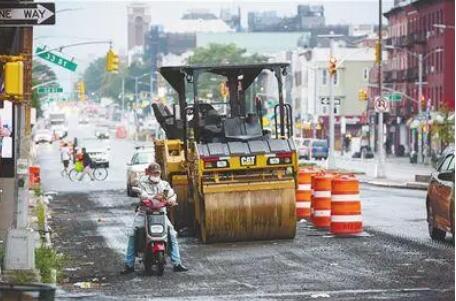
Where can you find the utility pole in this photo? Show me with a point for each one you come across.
(331, 160)
(123, 96)
(381, 151)
(136, 90)
(151, 87)
(420, 96)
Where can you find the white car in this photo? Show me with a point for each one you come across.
(43, 136)
(60, 131)
(98, 150)
(136, 167)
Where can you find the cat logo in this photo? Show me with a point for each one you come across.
(247, 160)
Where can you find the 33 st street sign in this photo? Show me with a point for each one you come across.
(26, 14)
(56, 59)
(48, 90)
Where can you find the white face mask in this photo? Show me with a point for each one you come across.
(154, 179)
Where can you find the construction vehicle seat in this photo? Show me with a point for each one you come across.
(239, 128)
(173, 128)
(212, 129)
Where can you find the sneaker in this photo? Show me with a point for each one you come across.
(180, 268)
(127, 270)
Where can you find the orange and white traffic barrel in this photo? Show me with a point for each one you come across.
(304, 192)
(346, 216)
(321, 200)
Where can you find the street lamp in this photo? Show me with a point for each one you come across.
(421, 59)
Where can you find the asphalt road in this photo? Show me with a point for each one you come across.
(394, 260)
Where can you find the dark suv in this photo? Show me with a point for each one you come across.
(440, 197)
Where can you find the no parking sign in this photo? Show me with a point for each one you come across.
(381, 104)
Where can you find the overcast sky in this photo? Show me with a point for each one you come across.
(90, 20)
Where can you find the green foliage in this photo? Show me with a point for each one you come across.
(105, 84)
(446, 129)
(37, 191)
(220, 54)
(40, 213)
(223, 54)
(21, 277)
(41, 73)
(46, 260)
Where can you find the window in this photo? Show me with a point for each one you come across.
(447, 164)
(366, 72)
(324, 77)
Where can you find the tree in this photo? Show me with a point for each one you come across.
(41, 73)
(223, 54)
(445, 130)
(105, 84)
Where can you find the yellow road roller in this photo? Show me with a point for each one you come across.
(240, 177)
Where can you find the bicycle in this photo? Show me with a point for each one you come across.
(97, 173)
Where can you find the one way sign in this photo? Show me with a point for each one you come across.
(26, 14)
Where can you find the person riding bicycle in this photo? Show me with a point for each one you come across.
(87, 163)
(153, 187)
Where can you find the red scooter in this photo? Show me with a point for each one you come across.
(151, 241)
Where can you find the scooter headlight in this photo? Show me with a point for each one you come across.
(156, 229)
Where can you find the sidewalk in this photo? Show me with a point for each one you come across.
(399, 172)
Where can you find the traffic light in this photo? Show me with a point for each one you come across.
(112, 61)
(80, 87)
(378, 52)
(332, 66)
(14, 78)
(362, 95)
(423, 103)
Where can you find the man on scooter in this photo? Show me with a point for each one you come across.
(152, 187)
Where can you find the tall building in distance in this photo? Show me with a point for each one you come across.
(138, 23)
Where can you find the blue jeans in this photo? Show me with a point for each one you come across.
(173, 247)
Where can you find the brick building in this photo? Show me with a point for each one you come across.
(415, 27)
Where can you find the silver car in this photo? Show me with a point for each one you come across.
(136, 167)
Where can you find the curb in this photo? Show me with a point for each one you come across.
(407, 185)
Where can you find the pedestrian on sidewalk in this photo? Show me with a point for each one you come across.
(65, 155)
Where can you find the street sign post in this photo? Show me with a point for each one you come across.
(381, 104)
(26, 14)
(44, 90)
(56, 59)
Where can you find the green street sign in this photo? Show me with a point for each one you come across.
(56, 59)
(47, 90)
(395, 97)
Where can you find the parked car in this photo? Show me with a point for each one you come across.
(142, 157)
(319, 149)
(43, 136)
(440, 197)
(304, 149)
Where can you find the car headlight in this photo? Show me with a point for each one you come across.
(156, 229)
